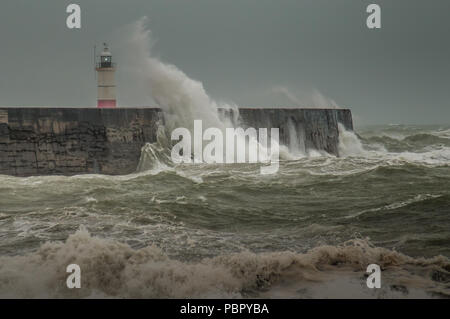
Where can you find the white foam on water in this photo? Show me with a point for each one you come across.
(442, 133)
(396, 205)
(351, 146)
(112, 269)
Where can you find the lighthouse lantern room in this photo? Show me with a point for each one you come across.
(106, 87)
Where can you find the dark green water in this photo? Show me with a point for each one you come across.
(228, 231)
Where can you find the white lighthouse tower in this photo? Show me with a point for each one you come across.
(106, 87)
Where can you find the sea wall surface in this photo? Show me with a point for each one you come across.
(51, 141)
(300, 129)
(70, 141)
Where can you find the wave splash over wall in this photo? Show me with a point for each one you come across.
(183, 99)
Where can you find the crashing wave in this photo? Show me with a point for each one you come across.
(114, 270)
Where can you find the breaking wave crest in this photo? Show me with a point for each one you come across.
(115, 270)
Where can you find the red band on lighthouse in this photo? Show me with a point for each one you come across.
(106, 104)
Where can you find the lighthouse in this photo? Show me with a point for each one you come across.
(106, 88)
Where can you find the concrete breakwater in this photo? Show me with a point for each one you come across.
(70, 141)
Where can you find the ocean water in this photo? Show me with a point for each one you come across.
(227, 231)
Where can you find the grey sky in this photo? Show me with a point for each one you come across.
(241, 50)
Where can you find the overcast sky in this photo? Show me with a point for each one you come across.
(251, 52)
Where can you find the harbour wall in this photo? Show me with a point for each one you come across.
(71, 141)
